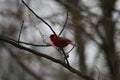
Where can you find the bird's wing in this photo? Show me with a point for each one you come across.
(62, 39)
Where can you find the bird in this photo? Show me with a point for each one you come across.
(60, 42)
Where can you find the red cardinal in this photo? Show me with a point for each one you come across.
(60, 42)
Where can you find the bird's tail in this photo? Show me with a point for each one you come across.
(72, 43)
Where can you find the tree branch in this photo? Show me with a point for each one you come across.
(26, 43)
(64, 24)
(38, 16)
(3, 38)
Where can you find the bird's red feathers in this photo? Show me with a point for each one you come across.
(60, 42)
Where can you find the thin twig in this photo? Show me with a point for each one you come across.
(66, 58)
(98, 73)
(70, 50)
(42, 36)
(64, 24)
(20, 31)
(38, 16)
(36, 45)
(26, 43)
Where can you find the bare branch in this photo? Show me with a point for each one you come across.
(20, 31)
(66, 58)
(26, 43)
(64, 24)
(38, 16)
(98, 73)
(3, 38)
(70, 50)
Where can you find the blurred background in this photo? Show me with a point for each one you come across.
(94, 25)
